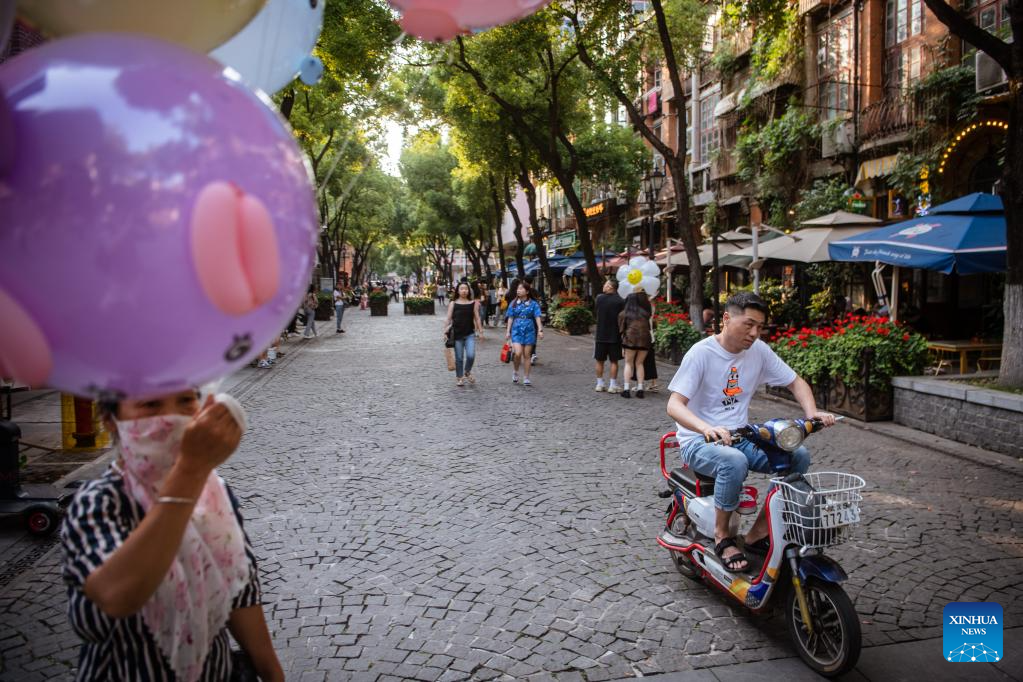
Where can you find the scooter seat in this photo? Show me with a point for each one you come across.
(687, 478)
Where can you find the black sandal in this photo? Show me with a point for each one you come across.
(729, 564)
(761, 546)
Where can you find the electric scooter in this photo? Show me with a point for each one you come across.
(806, 513)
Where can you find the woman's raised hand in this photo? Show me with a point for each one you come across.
(210, 439)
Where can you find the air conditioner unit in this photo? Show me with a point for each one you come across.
(988, 73)
(837, 140)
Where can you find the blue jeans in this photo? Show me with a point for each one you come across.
(728, 465)
(465, 348)
(339, 312)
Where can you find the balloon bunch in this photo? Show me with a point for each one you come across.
(638, 274)
(442, 20)
(159, 223)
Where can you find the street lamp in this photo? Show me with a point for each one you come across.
(651, 185)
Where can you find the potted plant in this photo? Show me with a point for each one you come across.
(674, 335)
(419, 305)
(324, 306)
(851, 362)
(378, 299)
(573, 317)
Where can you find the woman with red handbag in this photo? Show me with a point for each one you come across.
(525, 324)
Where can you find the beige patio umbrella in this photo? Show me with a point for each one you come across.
(809, 245)
(841, 218)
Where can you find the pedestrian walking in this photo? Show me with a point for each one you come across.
(404, 289)
(364, 301)
(525, 326)
(650, 363)
(157, 564)
(492, 304)
(482, 298)
(634, 325)
(392, 289)
(607, 340)
(339, 308)
(442, 293)
(310, 305)
(463, 326)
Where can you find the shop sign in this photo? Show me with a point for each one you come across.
(562, 240)
(595, 210)
(857, 203)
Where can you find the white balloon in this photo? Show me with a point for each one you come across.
(637, 261)
(623, 272)
(624, 289)
(269, 51)
(650, 269)
(651, 285)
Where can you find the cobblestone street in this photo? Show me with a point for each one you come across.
(410, 529)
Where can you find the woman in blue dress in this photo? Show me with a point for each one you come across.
(524, 324)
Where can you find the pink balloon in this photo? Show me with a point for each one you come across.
(158, 221)
(441, 20)
(24, 351)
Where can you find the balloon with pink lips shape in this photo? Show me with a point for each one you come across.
(158, 220)
(441, 20)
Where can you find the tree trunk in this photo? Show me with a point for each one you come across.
(1011, 369)
(541, 252)
(592, 271)
(499, 223)
(519, 242)
(485, 254)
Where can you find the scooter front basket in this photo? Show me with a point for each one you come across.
(820, 506)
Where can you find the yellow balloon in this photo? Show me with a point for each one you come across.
(197, 24)
(635, 277)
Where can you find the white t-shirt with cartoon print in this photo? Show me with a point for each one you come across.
(720, 385)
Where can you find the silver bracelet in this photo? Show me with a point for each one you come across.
(175, 500)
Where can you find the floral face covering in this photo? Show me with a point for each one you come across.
(193, 603)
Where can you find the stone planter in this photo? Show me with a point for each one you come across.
(857, 399)
(378, 309)
(429, 310)
(983, 417)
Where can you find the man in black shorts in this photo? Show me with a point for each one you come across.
(608, 342)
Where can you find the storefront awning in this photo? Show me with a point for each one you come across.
(876, 168)
(635, 222)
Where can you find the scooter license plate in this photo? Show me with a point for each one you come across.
(843, 516)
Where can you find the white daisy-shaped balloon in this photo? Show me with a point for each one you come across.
(639, 273)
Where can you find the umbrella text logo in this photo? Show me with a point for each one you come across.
(972, 632)
(916, 230)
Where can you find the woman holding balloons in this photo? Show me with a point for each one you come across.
(156, 562)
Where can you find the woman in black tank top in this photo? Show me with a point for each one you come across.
(463, 324)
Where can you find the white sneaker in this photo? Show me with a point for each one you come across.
(600, 387)
(515, 377)
(263, 364)
(614, 388)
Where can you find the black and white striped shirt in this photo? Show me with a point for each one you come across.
(98, 521)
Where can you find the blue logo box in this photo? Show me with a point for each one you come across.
(972, 632)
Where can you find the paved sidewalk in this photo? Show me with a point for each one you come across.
(906, 662)
(410, 529)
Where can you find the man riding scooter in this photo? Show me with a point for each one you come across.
(710, 395)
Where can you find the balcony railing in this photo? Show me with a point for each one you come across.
(895, 115)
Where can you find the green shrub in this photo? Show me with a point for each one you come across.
(572, 317)
(417, 303)
(674, 327)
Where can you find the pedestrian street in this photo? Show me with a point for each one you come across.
(406, 528)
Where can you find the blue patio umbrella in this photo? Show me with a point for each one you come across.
(572, 267)
(966, 235)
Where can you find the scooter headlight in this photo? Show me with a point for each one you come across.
(789, 436)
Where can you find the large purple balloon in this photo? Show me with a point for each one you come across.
(108, 285)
